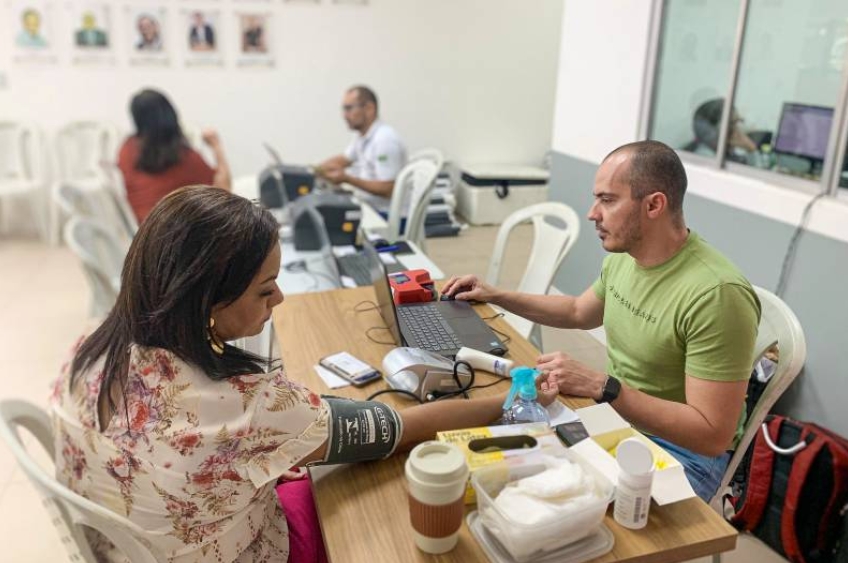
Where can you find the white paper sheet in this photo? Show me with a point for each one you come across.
(560, 414)
(332, 380)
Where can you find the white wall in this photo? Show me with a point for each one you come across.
(475, 78)
(601, 67)
(598, 102)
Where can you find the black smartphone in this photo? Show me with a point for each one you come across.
(571, 432)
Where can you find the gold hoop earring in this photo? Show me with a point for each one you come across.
(214, 342)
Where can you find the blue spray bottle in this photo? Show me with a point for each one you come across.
(522, 403)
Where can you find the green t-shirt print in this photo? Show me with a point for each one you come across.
(694, 314)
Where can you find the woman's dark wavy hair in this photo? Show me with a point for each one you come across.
(199, 247)
(158, 130)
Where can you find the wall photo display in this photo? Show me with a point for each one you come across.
(33, 25)
(146, 30)
(201, 32)
(91, 32)
(255, 39)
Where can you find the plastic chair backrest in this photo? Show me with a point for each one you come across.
(431, 154)
(103, 204)
(102, 257)
(81, 146)
(118, 191)
(410, 198)
(551, 243)
(778, 325)
(70, 512)
(19, 148)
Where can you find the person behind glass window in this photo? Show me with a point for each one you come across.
(157, 159)
(374, 157)
(161, 419)
(706, 125)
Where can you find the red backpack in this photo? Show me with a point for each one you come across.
(794, 494)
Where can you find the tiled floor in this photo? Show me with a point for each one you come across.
(43, 308)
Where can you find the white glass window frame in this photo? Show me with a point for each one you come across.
(831, 169)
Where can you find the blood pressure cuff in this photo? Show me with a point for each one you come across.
(361, 430)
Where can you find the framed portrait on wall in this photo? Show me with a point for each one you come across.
(202, 37)
(255, 39)
(91, 32)
(32, 31)
(146, 26)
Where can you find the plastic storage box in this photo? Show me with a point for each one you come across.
(489, 193)
(524, 541)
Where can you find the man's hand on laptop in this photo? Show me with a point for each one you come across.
(469, 288)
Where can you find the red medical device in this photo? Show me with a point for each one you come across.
(412, 286)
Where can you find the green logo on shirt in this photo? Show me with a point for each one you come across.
(383, 158)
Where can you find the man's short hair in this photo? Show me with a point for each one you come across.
(365, 94)
(654, 167)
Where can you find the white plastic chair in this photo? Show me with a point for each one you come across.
(69, 512)
(433, 155)
(551, 243)
(102, 205)
(22, 172)
(410, 198)
(81, 146)
(118, 192)
(778, 325)
(102, 258)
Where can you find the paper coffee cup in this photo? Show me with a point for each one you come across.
(436, 474)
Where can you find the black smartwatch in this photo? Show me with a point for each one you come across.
(612, 388)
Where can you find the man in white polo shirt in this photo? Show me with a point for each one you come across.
(373, 159)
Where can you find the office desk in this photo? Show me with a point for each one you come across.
(363, 508)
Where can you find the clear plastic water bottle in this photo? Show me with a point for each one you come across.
(522, 403)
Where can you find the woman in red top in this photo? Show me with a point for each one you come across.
(157, 159)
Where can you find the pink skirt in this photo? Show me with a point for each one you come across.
(305, 542)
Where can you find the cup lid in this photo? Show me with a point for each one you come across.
(437, 461)
(634, 457)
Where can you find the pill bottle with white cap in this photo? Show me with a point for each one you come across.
(633, 491)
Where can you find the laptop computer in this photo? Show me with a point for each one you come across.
(442, 327)
(358, 265)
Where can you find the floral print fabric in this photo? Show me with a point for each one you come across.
(191, 460)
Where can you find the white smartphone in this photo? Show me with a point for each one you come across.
(350, 367)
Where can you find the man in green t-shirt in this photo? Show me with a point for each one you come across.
(680, 319)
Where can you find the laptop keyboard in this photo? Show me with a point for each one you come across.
(430, 330)
(355, 266)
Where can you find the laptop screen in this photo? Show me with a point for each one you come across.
(275, 156)
(383, 289)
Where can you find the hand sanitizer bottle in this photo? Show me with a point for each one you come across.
(522, 403)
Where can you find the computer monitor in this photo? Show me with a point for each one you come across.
(804, 131)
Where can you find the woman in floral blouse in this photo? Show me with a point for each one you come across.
(159, 420)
